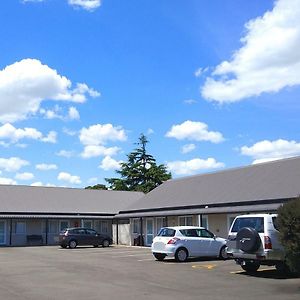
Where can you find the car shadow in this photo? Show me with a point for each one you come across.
(192, 260)
(268, 274)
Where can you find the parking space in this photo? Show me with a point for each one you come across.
(121, 272)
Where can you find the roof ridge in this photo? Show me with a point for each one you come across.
(234, 168)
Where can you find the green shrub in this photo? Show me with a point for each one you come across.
(288, 223)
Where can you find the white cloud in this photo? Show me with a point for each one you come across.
(50, 138)
(9, 181)
(25, 84)
(89, 5)
(268, 60)
(46, 167)
(24, 1)
(73, 113)
(100, 134)
(150, 131)
(65, 153)
(95, 150)
(69, 132)
(56, 113)
(188, 148)
(64, 176)
(198, 72)
(194, 131)
(109, 163)
(9, 132)
(271, 150)
(189, 101)
(24, 176)
(194, 165)
(39, 183)
(12, 164)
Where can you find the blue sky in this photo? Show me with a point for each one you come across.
(212, 84)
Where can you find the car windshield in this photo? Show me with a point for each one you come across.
(166, 232)
(256, 223)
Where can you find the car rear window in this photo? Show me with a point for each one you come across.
(166, 232)
(256, 223)
(274, 219)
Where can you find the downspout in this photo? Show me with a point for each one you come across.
(200, 220)
(47, 229)
(117, 232)
(141, 232)
(10, 232)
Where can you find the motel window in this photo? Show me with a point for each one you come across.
(52, 226)
(63, 225)
(160, 222)
(185, 220)
(204, 221)
(20, 227)
(136, 226)
(103, 226)
(87, 224)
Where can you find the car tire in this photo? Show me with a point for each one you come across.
(250, 267)
(105, 243)
(248, 240)
(223, 254)
(63, 246)
(181, 255)
(159, 256)
(72, 244)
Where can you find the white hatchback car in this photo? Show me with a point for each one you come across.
(182, 242)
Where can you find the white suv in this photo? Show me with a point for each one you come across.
(253, 241)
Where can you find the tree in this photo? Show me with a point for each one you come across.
(288, 222)
(96, 187)
(140, 172)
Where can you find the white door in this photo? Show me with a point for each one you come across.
(2, 232)
(149, 231)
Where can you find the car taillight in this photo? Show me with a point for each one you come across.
(268, 243)
(173, 241)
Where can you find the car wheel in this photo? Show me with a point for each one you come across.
(223, 253)
(181, 255)
(159, 256)
(105, 243)
(250, 267)
(248, 240)
(72, 244)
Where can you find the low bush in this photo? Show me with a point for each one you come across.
(288, 223)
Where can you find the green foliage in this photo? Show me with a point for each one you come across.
(288, 223)
(96, 187)
(140, 172)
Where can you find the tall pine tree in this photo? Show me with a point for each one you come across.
(140, 172)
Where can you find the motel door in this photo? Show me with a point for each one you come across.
(149, 231)
(2, 233)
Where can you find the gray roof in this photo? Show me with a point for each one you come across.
(53, 200)
(270, 181)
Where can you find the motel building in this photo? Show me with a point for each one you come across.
(36, 215)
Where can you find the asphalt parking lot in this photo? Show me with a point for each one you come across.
(131, 273)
